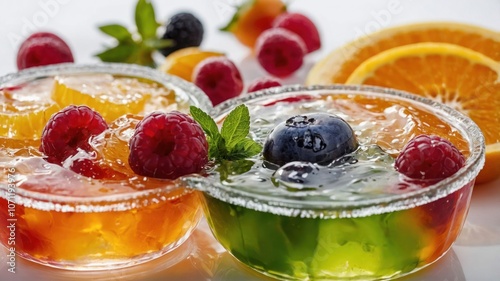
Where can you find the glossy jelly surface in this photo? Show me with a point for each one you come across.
(356, 218)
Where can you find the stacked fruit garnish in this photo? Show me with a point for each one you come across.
(92, 138)
(456, 64)
(302, 141)
(163, 145)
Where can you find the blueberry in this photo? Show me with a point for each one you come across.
(317, 137)
(185, 30)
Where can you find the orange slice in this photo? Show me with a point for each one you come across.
(182, 62)
(459, 77)
(340, 63)
(112, 146)
(25, 110)
(111, 96)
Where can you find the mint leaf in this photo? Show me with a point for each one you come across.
(217, 148)
(245, 148)
(232, 143)
(145, 19)
(119, 53)
(228, 168)
(119, 32)
(206, 122)
(216, 144)
(236, 126)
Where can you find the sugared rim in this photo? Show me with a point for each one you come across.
(101, 203)
(291, 206)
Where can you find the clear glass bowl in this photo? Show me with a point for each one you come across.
(367, 227)
(53, 216)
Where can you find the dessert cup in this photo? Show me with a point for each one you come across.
(373, 225)
(55, 217)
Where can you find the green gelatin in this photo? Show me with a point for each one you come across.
(374, 247)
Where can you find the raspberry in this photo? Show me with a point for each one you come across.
(168, 145)
(280, 52)
(219, 78)
(303, 27)
(429, 158)
(263, 83)
(43, 48)
(185, 30)
(69, 130)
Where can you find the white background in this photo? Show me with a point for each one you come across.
(475, 256)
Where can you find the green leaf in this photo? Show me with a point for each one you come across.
(236, 126)
(232, 143)
(145, 19)
(217, 148)
(142, 57)
(216, 143)
(238, 167)
(119, 53)
(119, 32)
(245, 148)
(155, 43)
(206, 122)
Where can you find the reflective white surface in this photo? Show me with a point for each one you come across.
(476, 254)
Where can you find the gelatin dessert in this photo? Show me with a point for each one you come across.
(97, 213)
(353, 215)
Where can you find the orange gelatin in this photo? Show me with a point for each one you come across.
(63, 219)
(105, 239)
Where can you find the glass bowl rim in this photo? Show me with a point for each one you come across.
(108, 68)
(192, 94)
(335, 209)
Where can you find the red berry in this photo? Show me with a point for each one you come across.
(280, 52)
(429, 158)
(263, 83)
(303, 27)
(168, 145)
(69, 130)
(219, 78)
(43, 48)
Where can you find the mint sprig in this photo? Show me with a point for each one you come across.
(232, 141)
(137, 47)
